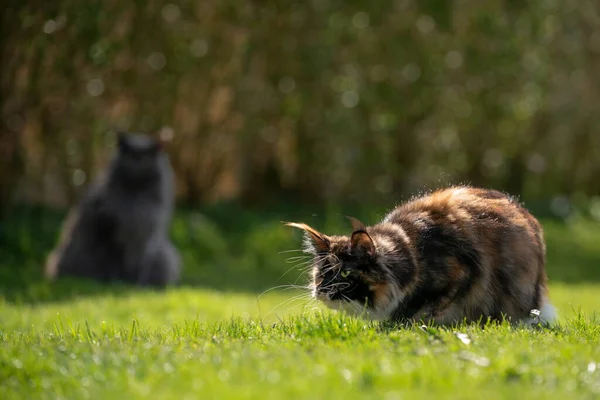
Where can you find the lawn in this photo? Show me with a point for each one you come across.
(223, 334)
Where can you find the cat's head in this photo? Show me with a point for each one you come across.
(352, 272)
(138, 154)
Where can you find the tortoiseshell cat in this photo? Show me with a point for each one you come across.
(458, 254)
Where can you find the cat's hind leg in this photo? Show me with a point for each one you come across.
(161, 266)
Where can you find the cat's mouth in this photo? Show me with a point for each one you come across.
(324, 297)
(339, 302)
(350, 307)
(333, 299)
(329, 296)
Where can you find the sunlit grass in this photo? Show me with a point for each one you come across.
(229, 337)
(209, 344)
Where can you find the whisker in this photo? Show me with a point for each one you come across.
(290, 251)
(297, 258)
(358, 310)
(302, 265)
(289, 310)
(286, 272)
(291, 300)
(332, 267)
(284, 287)
(302, 275)
(288, 301)
(343, 285)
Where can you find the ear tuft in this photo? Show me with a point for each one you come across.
(356, 224)
(319, 241)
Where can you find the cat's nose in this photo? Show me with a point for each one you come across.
(322, 290)
(325, 292)
(321, 294)
(330, 293)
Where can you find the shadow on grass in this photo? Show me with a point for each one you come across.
(234, 249)
(223, 248)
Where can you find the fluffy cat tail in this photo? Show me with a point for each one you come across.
(51, 267)
(548, 313)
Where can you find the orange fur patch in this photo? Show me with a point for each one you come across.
(380, 293)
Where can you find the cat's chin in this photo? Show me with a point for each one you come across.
(351, 308)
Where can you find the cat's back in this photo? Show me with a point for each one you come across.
(484, 236)
(489, 221)
(467, 207)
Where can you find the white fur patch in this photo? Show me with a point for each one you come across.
(395, 296)
(547, 315)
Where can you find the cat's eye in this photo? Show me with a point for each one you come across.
(345, 274)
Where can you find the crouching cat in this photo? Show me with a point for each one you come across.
(458, 254)
(119, 231)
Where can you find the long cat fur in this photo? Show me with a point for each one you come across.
(119, 230)
(459, 254)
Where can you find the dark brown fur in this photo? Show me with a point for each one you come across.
(458, 254)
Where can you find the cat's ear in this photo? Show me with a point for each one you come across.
(319, 241)
(360, 241)
(356, 224)
(122, 139)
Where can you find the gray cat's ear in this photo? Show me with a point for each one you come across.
(318, 240)
(121, 138)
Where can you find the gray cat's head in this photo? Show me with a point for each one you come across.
(139, 155)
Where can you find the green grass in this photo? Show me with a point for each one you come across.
(218, 336)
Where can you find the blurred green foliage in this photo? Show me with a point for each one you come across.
(239, 249)
(326, 100)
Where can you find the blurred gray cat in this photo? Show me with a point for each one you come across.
(119, 231)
